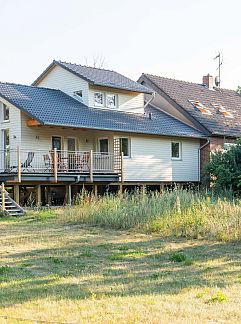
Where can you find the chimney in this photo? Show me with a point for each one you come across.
(208, 81)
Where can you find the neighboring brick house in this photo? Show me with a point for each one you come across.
(214, 111)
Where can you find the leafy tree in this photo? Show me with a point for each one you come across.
(223, 172)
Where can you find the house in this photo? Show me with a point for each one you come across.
(81, 126)
(216, 112)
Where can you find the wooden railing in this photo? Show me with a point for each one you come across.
(21, 161)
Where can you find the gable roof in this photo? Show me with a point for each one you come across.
(182, 92)
(98, 77)
(55, 108)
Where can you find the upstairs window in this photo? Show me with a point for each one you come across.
(99, 99)
(5, 113)
(111, 101)
(176, 150)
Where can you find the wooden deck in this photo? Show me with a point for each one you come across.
(59, 166)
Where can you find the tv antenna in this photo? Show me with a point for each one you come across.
(220, 62)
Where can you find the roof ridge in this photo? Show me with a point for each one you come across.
(29, 86)
(190, 82)
(86, 66)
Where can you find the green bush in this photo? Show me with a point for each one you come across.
(223, 171)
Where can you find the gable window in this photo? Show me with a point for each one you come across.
(111, 101)
(99, 99)
(125, 146)
(176, 150)
(5, 113)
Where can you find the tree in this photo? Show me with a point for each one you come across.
(223, 172)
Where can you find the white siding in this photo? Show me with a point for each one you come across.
(59, 78)
(14, 124)
(126, 100)
(151, 160)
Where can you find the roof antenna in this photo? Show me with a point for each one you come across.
(220, 62)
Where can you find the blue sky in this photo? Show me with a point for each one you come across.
(172, 38)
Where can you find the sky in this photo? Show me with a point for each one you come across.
(173, 38)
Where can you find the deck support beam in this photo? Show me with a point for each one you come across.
(95, 190)
(68, 194)
(39, 198)
(16, 193)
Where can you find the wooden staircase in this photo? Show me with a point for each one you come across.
(10, 205)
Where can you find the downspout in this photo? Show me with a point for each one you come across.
(150, 100)
(199, 158)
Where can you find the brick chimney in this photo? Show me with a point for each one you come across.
(208, 81)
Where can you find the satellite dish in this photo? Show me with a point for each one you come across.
(217, 81)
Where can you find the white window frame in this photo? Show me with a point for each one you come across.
(180, 151)
(99, 105)
(3, 108)
(104, 138)
(62, 141)
(116, 102)
(129, 146)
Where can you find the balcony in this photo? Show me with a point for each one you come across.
(55, 166)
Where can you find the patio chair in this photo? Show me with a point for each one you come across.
(47, 162)
(82, 161)
(25, 165)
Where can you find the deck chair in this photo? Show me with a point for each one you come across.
(25, 165)
(82, 161)
(47, 162)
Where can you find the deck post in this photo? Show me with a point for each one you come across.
(16, 194)
(122, 167)
(95, 190)
(3, 196)
(55, 165)
(91, 165)
(19, 164)
(39, 198)
(68, 194)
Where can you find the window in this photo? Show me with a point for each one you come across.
(99, 99)
(56, 143)
(176, 150)
(104, 145)
(79, 93)
(5, 112)
(111, 101)
(125, 146)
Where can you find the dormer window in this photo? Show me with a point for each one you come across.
(5, 113)
(111, 101)
(99, 99)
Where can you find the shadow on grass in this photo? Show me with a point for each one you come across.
(80, 271)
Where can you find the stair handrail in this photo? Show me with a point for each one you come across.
(6, 194)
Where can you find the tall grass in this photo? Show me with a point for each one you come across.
(171, 213)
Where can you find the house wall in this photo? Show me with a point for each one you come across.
(59, 78)
(126, 100)
(150, 156)
(14, 124)
(151, 160)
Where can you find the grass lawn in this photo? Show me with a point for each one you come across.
(57, 271)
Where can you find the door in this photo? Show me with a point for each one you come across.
(71, 144)
(56, 143)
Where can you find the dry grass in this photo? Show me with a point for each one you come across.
(60, 272)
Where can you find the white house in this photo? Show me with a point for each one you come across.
(79, 125)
